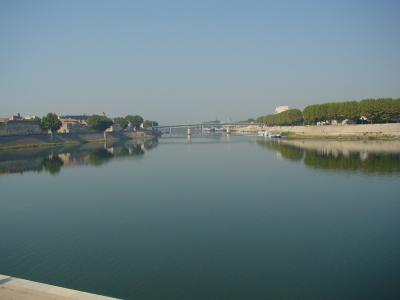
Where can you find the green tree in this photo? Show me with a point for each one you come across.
(288, 117)
(149, 123)
(122, 122)
(135, 120)
(381, 110)
(51, 122)
(100, 123)
(37, 119)
(376, 110)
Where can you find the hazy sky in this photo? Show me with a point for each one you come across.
(179, 61)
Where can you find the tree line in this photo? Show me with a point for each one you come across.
(285, 118)
(383, 110)
(52, 122)
(98, 122)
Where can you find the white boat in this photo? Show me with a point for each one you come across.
(262, 133)
(267, 134)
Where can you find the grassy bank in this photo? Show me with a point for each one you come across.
(37, 145)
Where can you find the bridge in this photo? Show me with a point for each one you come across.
(202, 127)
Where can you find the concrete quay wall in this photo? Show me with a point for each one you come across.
(359, 130)
(43, 140)
(20, 289)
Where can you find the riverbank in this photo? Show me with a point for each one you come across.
(34, 141)
(390, 131)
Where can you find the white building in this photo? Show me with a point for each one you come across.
(280, 109)
(30, 117)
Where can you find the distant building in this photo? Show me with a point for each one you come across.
(77, 118)
(30, 117)
(280, 109)
(70, 124)
(114, 128)
(16, 117)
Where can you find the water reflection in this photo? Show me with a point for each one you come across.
(382, 157)
(52, 160)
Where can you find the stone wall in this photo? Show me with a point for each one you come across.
(20, 128)
(360, 130)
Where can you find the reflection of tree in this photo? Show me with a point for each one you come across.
(98, 157)
(331, 159)
(374, 163)
(122, 151)
(287, 151)
(53, 159)
(135, 149)
(52, 164)
(148, 145)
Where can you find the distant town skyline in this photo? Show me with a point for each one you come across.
(180, 61)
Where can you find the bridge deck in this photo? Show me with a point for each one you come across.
(207, 125)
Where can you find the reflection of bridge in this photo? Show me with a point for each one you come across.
(204, 126)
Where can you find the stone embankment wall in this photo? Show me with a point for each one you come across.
(360, 130)
(20, 128)
(36, 140)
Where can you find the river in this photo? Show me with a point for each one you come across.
(207, 218)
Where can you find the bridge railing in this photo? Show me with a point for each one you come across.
(207, 125)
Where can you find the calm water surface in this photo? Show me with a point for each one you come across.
(210, 218)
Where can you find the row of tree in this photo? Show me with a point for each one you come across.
(135, 121)
(381, 110)
(52, 123)
(288, 117)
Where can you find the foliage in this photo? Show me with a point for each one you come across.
(338, 111)
(135, 120)
(288, 117)
(381, 110)
(375, 110)
(100, 123)
(149, 123)
(122, 122)
(51, 122)
(250, 120)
